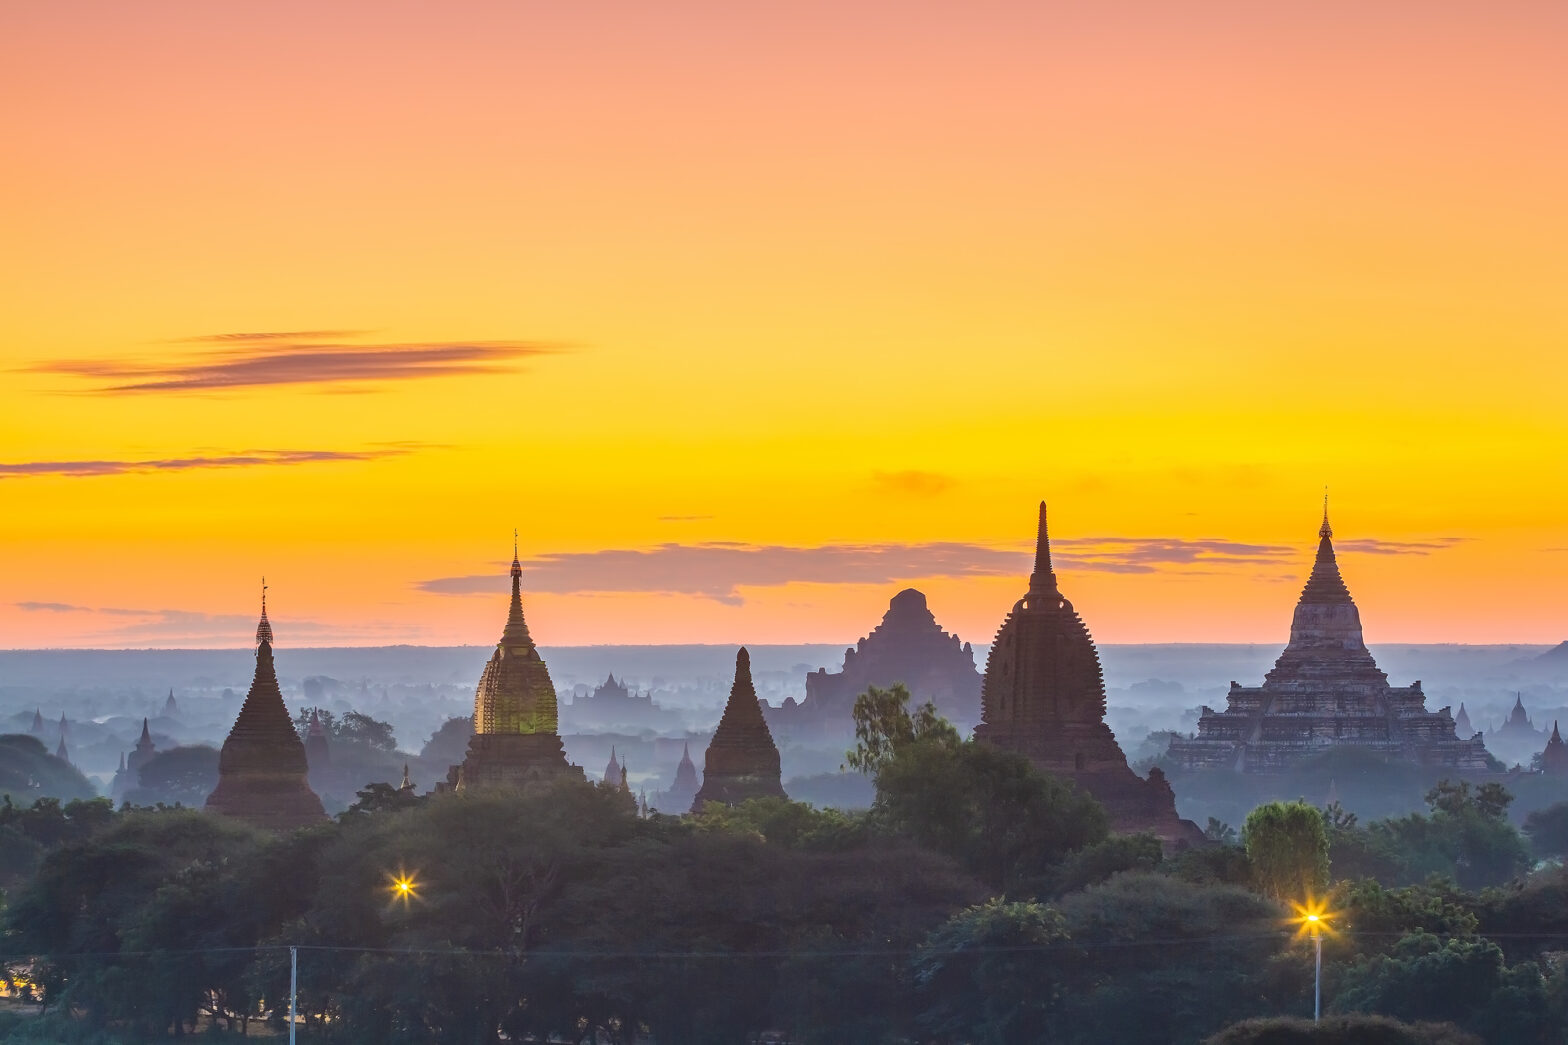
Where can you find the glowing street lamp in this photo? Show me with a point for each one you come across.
(1312, 919)
(403, 886)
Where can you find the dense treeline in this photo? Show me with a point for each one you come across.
(978, 902)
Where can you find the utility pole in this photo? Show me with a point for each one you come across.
(293, 987)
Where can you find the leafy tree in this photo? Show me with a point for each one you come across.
(1341, 1030)
(884, 726)
(1219, 831)
(1466, 837)
(179, 776)
(1095, 863)
(992, 974)
(448, 745)
(29, 771)
(1547, 830)
(355, 727)
(1379, 917)
(780, 821)
(1159, 959)
(1000, 818)
(1462, 980)
(1288, 848)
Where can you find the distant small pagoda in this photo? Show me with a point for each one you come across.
(1325, 691)
(516, 742)
(1517, 727)
(261, 768)
(1044, 698)
(683, 792)
(741, 761)
(1554, 758)
(129, 775)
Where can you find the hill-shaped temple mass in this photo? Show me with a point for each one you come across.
(742, 761)
(1325, 691)
(515, 742)
(908, 646)
(261, 769)
(1044, 697)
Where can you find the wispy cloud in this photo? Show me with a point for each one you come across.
(236, 459)
(719, 570)
(1376, 547)
(913, 481)
(1148, 554)
(179, 625)
(322, 358)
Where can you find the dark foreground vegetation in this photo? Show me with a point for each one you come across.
(979, 902)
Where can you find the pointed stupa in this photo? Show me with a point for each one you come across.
(61, 753)
(515, 742)
(612, 772)
(1043, 696)
(742, 761)
(38, 720)
(141, 754)
(262, 767)
(622, 784)
(1462, 728)
(407, 786)
(64, 729)
(318, 749)
(1554, 759)
(170, 706)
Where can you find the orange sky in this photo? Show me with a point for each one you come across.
(748, 315)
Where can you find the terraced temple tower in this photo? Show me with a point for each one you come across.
(1325, 691)
(261, 769)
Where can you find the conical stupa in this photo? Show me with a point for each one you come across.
(515, 743)
(261, 769)
(1043, 696)
(1554, 759)
(742, 761)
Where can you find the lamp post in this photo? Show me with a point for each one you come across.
(1316, 923)
(1312, 919)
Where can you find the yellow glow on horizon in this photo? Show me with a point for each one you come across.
(863, 278)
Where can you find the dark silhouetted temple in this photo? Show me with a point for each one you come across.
(909, 646)
(1044, 697)
(1325, 691)
(742, 761)
(515, 742)
(1554, 757)
(261, 769)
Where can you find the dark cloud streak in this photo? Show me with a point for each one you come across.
(284, 359)
(239, 459)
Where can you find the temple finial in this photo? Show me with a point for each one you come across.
(1044, 577)
(1325, 530)
(263, 626)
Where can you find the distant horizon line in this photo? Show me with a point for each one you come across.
(707, 645)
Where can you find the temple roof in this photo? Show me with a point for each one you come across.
(1043, 667)
(1325, 585)
(146, 738)
(515, 694)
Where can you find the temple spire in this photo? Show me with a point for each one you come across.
(263, 626)
(1043, 580)
(516, 633)
(1325, 530)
